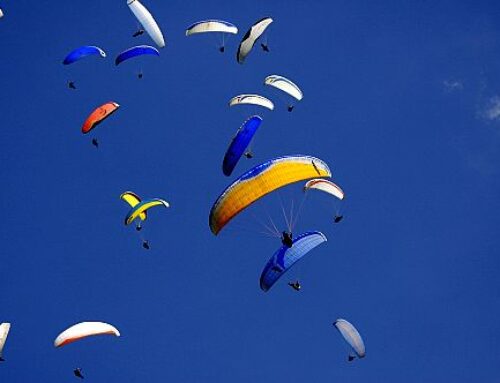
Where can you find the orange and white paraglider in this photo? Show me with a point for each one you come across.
(84, 330)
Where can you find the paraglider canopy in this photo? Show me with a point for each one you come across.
(285, 85)
(98, 115)
(147, 21)
(142, 207)
(208, 26)
(260, 181)
(251, 99)
(251, 37)
(4, 332)
(84, 51)
(325, 186)
(239, 144)
(133, 199)
(351, 336)
(83, 330)
(138, 50)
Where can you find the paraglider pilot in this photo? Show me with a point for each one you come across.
(286, 239)
(264, 47)
(295, 285)
(78, 372)
(338, 218)
(95, 142)
(138, 33)
(145, 244)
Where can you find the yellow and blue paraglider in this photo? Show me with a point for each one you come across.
(260, 181)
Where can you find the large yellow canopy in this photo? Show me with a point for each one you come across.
(262, 180)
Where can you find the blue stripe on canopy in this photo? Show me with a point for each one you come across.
(138, 50)
(240, 143)
(286, 257)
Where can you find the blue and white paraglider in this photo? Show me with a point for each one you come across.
(240, 143)
(286, 257)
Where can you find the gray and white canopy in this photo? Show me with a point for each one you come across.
(251, 37)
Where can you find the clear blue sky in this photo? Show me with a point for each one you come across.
(402, 99)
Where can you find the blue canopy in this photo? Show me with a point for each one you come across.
(286, 257)
(79, 53)
(240, 143)
(138, 50)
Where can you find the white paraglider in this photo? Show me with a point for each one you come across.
(352, 337)
(83, 330)
(251, 37)
(147, 21)
(251, 99)
(4, 332)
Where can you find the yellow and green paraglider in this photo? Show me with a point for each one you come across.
(142, 207)
(139, 211)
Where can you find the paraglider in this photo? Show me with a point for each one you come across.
(4, 332)
(352, 338)
(99, 115)
(78, 372)
(260, 181)
(133, 200)
(286, 257)
(139, 209)
(138, 50)
(1, 13)
(212, 26)
(239, 144)
(285, 85)
(252, 35)
(84, 51)
(83, 330)
(147, 21)
(143, 207)
(327, 187)
(251, 99)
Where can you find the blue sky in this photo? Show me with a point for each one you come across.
(402, 100)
